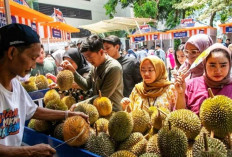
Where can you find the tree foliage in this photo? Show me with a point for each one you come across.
(157, 9)
(173, 10)
(210, 8)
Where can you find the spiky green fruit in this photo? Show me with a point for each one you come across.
(141, 120)
(31, 124)
(120, 125)
(102, 125)
(68, 100)
(158, 117)
(57, 106)
(58, 131)
(100, 144)
(42, 126)
(51, 96)
(185, 120)
(215, 147)
(149, 155)
(65, 80)
(136, 143)
(123, 153)
(29, 86)
(152, 145)
(41, 82)
(216, 115)
(90, 110)
(172, 142)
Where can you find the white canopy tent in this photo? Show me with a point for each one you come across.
(117, 23)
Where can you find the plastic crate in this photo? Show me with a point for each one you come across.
(39, 94)
(31, 137)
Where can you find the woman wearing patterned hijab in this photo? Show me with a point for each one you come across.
(216, 67)
(155, 90)
(193, 48)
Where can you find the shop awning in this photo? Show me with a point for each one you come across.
(190, 28)
(226, 28)
(225, 24)
(62, 26)
(26, 12)
(115, 24)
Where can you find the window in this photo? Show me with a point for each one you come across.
(67, 11)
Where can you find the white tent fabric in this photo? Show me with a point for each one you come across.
(117, 23)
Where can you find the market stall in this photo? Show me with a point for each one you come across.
(52, 33)
(226, 29)
(185, 33)
(150, 39)
(24, 15)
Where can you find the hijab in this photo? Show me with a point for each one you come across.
(161, 83)
(202, 42)
(78, 58)
(58, 56)
(227, 80)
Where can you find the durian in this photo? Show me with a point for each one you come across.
(65, 80)
(216, 115)
(120, 125)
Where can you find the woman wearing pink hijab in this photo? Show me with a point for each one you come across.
(193, 48)
(216, 67)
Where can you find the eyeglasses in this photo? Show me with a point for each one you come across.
(191, 52)
(149, 70)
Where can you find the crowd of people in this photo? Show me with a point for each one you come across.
(137, 79)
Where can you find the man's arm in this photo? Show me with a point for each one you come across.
(27, 151)
(84, 83)
(48, 114)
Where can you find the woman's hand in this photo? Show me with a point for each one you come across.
(51, 76)
(125, 102)
(53, 85)
(180, 84)
(66, 65)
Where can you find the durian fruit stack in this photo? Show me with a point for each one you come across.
(154, 132)
(35, 83)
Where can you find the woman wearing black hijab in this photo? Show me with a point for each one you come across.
(77, 60)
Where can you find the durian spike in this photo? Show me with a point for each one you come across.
(100, 94)
(128, 108)
(95, 125)
(149, 125)
(141, 106)
(210, 93)
(147, 136)
(169, 125)
(212, 134)
(229, 141)
(159, 110)
(162, 123)
(205, 142)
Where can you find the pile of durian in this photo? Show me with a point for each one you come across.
(155, 132)
(35, 83)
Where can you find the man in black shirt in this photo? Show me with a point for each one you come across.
(130, 66)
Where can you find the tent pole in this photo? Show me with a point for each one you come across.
(138, 27)
(7, 10)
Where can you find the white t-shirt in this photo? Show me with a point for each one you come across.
(15, 108)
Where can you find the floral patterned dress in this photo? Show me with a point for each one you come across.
(167, 99)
